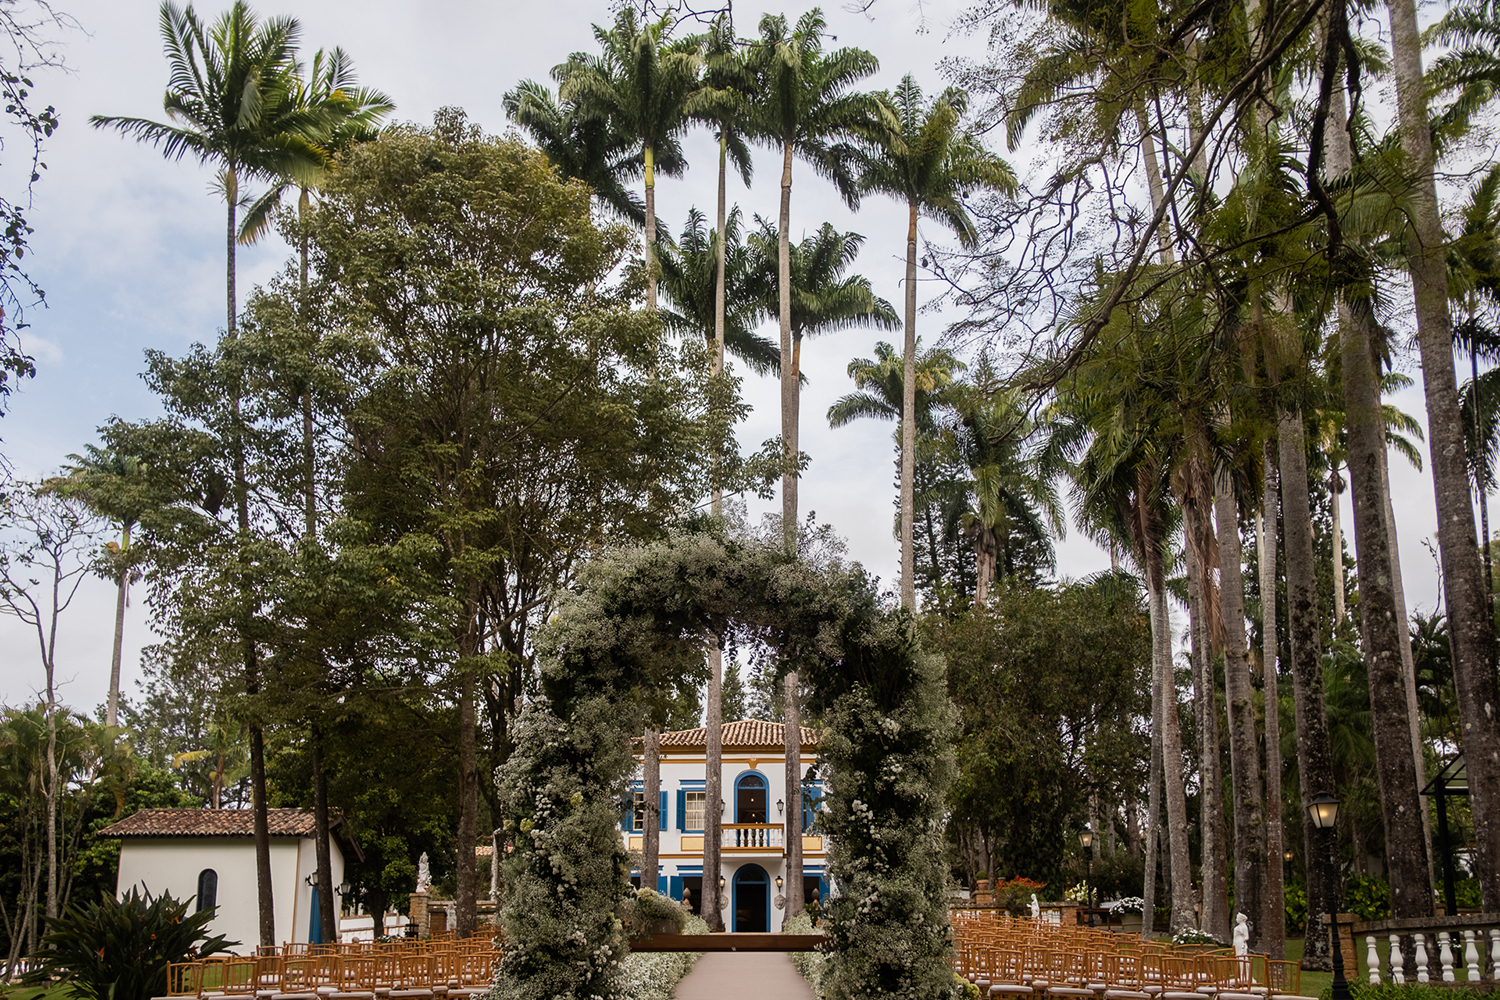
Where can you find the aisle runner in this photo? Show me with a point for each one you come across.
(739, 975)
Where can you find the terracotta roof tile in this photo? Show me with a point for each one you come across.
(209, 823)
(745, 733)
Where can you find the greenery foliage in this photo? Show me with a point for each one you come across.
(636, 626)
(118, 949)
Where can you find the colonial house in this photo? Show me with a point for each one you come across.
(209, 854)
(752, 853)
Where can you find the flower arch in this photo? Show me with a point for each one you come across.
(640, 621)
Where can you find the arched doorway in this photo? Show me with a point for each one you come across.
(752, 899)
(750, 795)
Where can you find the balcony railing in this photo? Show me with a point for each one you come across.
(753, 836)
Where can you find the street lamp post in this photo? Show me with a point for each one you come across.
(1323, 810)
(1086, 839)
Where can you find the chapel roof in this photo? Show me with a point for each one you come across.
(744, 733)
(211, 823)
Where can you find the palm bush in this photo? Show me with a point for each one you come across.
(119, 949)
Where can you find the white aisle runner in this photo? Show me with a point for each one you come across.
(744, 975)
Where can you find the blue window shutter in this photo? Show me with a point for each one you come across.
(675, 885)
(662, 884)
(663, 816)
(681, 810)
(627, 817)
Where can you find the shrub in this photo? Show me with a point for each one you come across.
(810, 964)
(1412, 991)
(1015, 896)
(118, 949)
(653, 975)
(1367, 896)
(649, 907)
(1296, 907)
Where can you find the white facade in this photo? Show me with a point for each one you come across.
(752, 851)
(175, 864)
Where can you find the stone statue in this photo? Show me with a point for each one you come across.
(1036, 908)
(1241, 935)
(424, 875)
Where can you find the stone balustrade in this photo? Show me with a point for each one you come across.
(1440, 949)
(753, 837)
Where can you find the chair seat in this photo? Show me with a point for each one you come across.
(1116, 993)
(1068, 991)
(1011, 989)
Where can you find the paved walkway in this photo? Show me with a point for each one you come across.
(744, 975)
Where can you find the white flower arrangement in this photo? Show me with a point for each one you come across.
(1128, 904)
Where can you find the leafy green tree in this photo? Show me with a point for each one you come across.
(734, 706)
(923, 156)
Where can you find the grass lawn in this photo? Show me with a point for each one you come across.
(31, 993)
(1313, 983)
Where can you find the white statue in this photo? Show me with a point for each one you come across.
(1036, 908)
(424, 875)
(1241, 935)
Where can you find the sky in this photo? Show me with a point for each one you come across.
(130, 249)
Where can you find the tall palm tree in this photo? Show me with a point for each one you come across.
(581, 145)
(231, 89)
(690, 277)
(640, 83)
(812, 296)
(924, 157)
(112, 485)
(1470, 624)
(806, 106)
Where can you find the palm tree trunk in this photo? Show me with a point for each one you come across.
(1470, 625)
(908, 418)
(466, 892)
(651, 788)
(713, 732)
(1244, 749)
(792, 744)
(327, 918)
(1215, 918)
(650, 157)
(1338, 545)
(1153, 800)
(789, 387)
(1314, 750)
(260, 818)
(713, 791)
(1273, 919)
(309, 457)
(1176, 832)
(112, 708)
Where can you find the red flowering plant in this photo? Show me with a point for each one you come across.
(1015, 895)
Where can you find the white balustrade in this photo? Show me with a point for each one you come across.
(753, 836)
(1495, 953)
(1372, 960)
(1398, 961)
(1471, 956)
(1465, 948)
(1421, 940)
(1445, 955)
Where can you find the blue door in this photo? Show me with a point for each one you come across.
(315, 929)
(752, 899)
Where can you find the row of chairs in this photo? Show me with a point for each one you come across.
(1009, 957)
(451, 970)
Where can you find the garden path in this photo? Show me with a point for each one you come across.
(744, 975)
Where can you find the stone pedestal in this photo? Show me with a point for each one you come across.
(420, 913)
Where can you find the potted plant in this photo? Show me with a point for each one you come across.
(1129, 911)
(650, 913)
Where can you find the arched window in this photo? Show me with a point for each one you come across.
(750, 798)
(208, 889)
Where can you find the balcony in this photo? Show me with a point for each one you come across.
(753, 838)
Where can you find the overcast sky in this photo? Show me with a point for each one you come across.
(130, 250)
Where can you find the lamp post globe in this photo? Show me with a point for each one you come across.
(1323, 811)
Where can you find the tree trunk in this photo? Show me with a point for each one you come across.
(789, 387)
(1273, 917)
(1469, 623)
(327, 917)
(1239, 694)
(1406, 853)
(466, 894)
(908, 418)
(1215, 914)
(1338, 546)
(792, 744)
(1314, 751)
(112, 709)
(649, 155)
(713, 791)
(261, 821)
(651, 789)
(1153, 802)
(309, 455)
(1171, 748)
